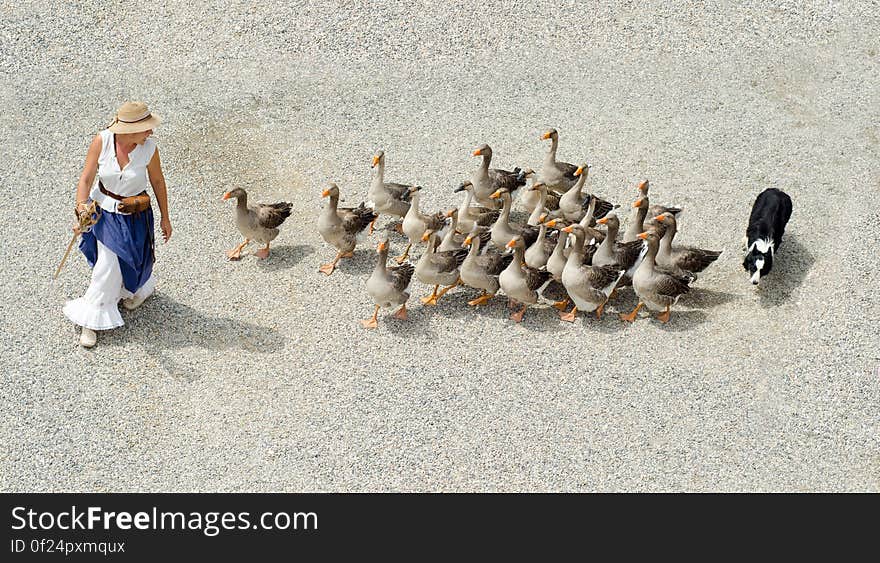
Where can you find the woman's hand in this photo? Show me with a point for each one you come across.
(165, 224)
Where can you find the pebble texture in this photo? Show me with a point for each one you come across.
(256, 376)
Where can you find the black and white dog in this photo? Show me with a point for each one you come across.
(770, 213)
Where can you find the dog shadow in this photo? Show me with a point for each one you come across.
(284, 257)
(790, 268)
(162, 324)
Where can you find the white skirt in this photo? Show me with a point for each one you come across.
(98, 308)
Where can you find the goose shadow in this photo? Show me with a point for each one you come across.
(162, 324)
(703, 298)
(363, 261)
(790, 268)
(286, 256)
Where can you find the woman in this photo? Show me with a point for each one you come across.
(122, 162)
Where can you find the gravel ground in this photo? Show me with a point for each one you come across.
(256, 376)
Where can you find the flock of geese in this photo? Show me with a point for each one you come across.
(477, 244)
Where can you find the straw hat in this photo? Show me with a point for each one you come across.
(134, 117)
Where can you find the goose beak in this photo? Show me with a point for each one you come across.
(511, 244)
(643, 185)
(226, 196)
(660, 218)
(643, 236)
(459, 189)
(551, 223)
(325, 193)
(637, 203)
(495, 195)
(449, 213)
(426, 236)
(477, 153)
(603, 221)
(382, 246)
(568, 229)
(579, 171)
(545, 136)
(375, 162)
(467, 241)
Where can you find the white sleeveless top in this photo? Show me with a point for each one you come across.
(131, 180)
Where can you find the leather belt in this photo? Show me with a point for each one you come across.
(107, 192)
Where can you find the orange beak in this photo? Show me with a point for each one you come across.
(449, 213)
(551, 223)
(325, 193)
(467, 240)
(603, 221)
(375, 162)
(426, 236)
(477, 153)
(643, 185)
(495, 195)
(568, 229)
(511, 244)
(579, 171)
(660, 218)
(226, 196)
(381, 246)
(545, 136)
(637, 203)
(643, 236)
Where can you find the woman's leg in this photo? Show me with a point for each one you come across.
(97, 309)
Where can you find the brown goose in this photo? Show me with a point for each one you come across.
(538, 252)
(626, 255)
(453, 239)
(547, 202)
(558, 176)
(559, 257)
(387, 198)
(655, 209)
(588, 286)
(258, 222)
(487, 180)
(574, 204)
(657, 287)
(471, 215)
(520, 282)
(503, 231)
(387, 286)
(340, 227)
(438, 268)
(635, 223)
(684, 257)
(481, 271)
(415, 223)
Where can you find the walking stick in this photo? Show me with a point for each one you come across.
(86, 219)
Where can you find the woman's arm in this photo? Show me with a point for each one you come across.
(87, 178)
(157, 180)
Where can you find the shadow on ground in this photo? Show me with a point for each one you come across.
(790, 268)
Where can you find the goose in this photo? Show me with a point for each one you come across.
(415, 223)
(588, 286)
(387, 198)
(502, 230)
(520, 282)
(626, 255)
(635, 224)
(574, 205)
(658, 288)
(481, 271)
(340, 227)
(486, 180)
(258, 222)
(387, 286)
(686, 258)
(471, 215)
(537, 254)
(558, 176)
(438, 268)
(655, 209)
(546, 203)
(453, 239)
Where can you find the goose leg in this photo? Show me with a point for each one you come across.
(599, 310)
(481, 299)
(632, 316)
(373, 224)
(401, 313)
(570, 316)
(518, 316)
(329, 267)
(399, 227)
(561, 305)
(235, 253)
(372, 322)
(664, 316)
(445, 289)
(402, 258)
(431, 299)
(262, 253)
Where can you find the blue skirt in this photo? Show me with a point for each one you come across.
(131, 238)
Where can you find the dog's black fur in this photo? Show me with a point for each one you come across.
(770, 213)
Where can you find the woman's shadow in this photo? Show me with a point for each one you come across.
(791, 264)
(164, 325)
